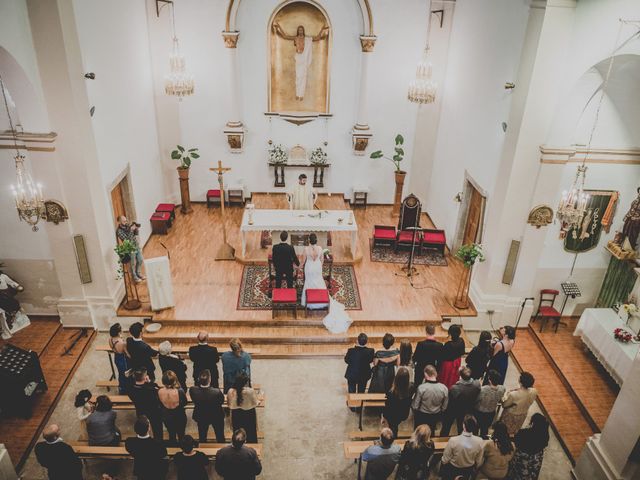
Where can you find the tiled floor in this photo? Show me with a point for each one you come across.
(554, 396)
(595, 389)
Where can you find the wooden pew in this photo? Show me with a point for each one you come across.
(114, 384)
(86, 452)
(375, 434)
(124, 402)
(362, 400)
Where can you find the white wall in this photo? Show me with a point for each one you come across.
(401, 34)
(124, 123)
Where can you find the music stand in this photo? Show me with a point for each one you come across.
(569, 289)
(408, 267)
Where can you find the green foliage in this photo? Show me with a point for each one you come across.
(470, 254)
(126, 247)
(184, 156)
(398, 155)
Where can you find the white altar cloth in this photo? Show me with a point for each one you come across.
(299, 221)
(159, 283)
(596, 328)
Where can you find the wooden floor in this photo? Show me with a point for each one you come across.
(594, 389)
(208, 290)
(45, 336)
(556, 398)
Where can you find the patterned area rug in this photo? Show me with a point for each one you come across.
(386, 254)
(255, 284)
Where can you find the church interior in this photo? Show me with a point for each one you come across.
(294, 185)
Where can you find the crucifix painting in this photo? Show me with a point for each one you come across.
(299, 73)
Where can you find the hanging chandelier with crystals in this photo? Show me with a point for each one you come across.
(178, 82)
(27, 194)
(423, 88)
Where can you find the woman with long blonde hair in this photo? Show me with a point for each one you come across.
(415, 456)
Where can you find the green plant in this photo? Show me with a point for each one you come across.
(185, 156)
(124, 251)
(397, 157)
(470, 254)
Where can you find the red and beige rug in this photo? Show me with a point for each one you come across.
(388, 255)
(255, 286)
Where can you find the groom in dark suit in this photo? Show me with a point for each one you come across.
(284, 257)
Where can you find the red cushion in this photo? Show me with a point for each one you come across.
(407, 237)
(165, 207)
(213, 193)
(161, 216)
(549, 312)
(317, 295)
(384, 233)
(548, 291)
(284, 295)
(434, 237)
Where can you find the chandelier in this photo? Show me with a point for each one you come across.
(422, 89)
(178, 82)
(28, 195)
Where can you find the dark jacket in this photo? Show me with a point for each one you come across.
(238, 463)
(463, 396)
(60, 460)
(207, 403)
(148, 457)
(176, 365)
(145, 399)
(428, 352)
(477, 361)
(205, 357)
(283, 257)
(358, 360)
(453, 350)
(141, 355)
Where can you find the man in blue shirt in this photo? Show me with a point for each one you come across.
(381, 457)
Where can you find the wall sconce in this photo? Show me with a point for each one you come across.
(509, 86)
(458, 197)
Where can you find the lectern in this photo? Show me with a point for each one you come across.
(159, 283)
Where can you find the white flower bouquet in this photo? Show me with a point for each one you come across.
(318, 157)
(278, 154)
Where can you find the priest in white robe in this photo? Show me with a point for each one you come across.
(302, 197)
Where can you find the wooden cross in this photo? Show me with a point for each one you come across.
(226, 251)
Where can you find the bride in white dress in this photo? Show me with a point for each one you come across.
(337, 320)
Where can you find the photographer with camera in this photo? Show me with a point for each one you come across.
(130, 231)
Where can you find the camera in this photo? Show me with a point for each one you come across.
(135, 224)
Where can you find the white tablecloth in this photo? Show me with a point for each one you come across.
(300, 221)
(596, 328)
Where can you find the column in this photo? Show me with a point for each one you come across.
(361, 132)
(234, 129)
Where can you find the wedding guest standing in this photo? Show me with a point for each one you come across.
(170, 361)
(398, 401)
(190, 464)
(140, 353)
(406, 360)
(381, 457)
(384, 362)
(479, 356)
(487, 402)
(430, 401)
(237, 461)
(497, 453)
(243, 400)
(530, 444)
(235, 362)
(462, 399)
(61, 462)
(463, 454)
(118, 348)
(205, 357)
(207, 401)
(173, 400)
(415, 456)
(144, 395)
(428, 352)
(516, 403)
(358, 360)
(500, 356)
(148, 453)
(452, 352)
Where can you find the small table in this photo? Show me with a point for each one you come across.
(360, 197)
(596, 328)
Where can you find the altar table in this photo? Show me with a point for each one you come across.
(596, 328)
(300, 221)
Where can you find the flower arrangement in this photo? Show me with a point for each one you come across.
(470, 254)
(622, 335)
(278, 155)
(318, 157)
(630, 308)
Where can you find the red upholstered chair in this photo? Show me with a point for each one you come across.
(546, 310)
(315, 296)
(169, 208)
(212, 197)
(435, 239)
(284, 299)
(160, 222)
(405, 239)
(384, 235)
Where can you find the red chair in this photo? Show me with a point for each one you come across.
(160, 222)
(405, 239)
(316, 296)
(384, 235)
(546, 310)
(213, 196)
(435, 239)
(169, 208)
(284, 299)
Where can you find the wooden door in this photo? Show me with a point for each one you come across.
(117, 202)
(473, 225)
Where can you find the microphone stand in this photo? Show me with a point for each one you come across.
(522, 309)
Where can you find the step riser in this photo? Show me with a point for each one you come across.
(303, 322)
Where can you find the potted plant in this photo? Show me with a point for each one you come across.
(399, 173)
(185, 157)
(278, 157)
(318, 159)
(124, 250)
(469, 254)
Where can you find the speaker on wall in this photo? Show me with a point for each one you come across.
(512, 261)
(81, 258)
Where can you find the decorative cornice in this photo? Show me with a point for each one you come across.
(367, 42)
(40, 142)
(230, 39)
(577, 154)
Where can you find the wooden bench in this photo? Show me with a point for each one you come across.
(124, 402)
(362, 400)
(108, 384)
(87, 452)
(375, 434)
